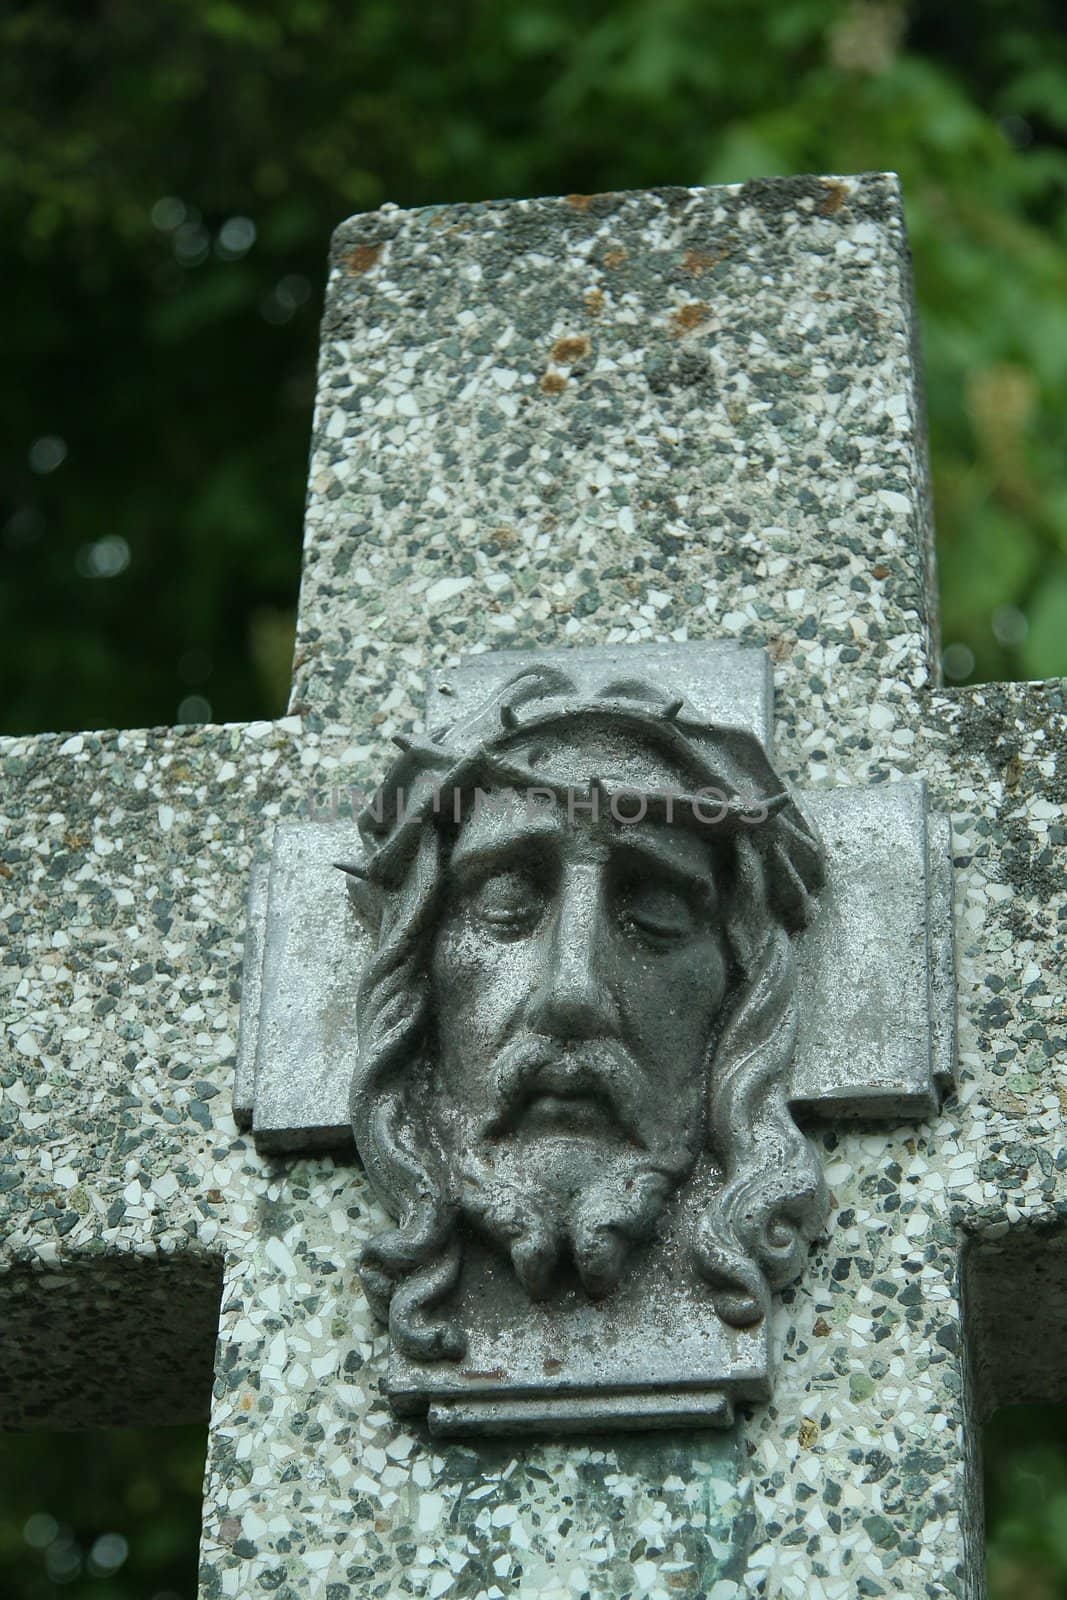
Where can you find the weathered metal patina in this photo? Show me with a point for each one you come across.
(596, 956)
(582, 990)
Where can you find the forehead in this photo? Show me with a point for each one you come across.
(505, 824)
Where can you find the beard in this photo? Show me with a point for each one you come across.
(571, 1163)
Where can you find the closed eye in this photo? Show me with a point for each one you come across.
(658, 912)
(508, 903)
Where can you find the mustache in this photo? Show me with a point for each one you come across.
(602, 1069)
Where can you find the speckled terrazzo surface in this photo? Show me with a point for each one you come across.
(646, 416)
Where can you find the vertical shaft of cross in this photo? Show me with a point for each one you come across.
(600, 420)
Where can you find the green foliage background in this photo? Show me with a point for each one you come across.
(159, 361)
(59, 1493)
(178, 373)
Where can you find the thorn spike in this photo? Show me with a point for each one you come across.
(351, 869)
(508, 716)
(671, 711)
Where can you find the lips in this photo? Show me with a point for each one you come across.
(544, 1088)
(570, 1111)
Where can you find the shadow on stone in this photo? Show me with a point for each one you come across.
(1015, 1300)
(109, 1341)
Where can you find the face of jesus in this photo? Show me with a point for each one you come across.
(577, 974)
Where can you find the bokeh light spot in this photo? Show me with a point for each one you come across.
(191, 244)
(957, 662)
(168, 213)
(39, 1530)
(194, 708)
(47, 453)
(108, 1553)
(1017, 131)
(1010, 626)
(104, 558)
(293, 290)
(236, 237)
(23, 529)
(287, 296)
(63, 1557)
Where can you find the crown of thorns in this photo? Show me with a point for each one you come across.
(507, 741)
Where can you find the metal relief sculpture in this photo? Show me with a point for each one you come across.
(583, 978)
(594, 924)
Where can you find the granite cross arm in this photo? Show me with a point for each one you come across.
(656, 418)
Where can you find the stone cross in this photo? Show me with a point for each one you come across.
(668, 416)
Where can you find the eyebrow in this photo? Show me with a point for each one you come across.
(657, 853)
(469, 861)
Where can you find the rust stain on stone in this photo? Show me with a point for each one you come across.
(834, 198)
(778, 649)
(820, 1328)
(571, 348)
(579, 202)
(594, 302)
(615, 257)
(880, 571)
(361, 259)
(697, 262)
(552, 383)
(686, 318)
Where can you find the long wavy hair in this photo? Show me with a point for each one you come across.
(752, 1236)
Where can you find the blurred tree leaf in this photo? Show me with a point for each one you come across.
(1042, 649)
(292, 114)
(1026, 1503)
(179, 375)
(61, 1493)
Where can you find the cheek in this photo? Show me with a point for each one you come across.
(707, 978)
(461, 961)
(452, 972)
(477, 983)
(674, 1002)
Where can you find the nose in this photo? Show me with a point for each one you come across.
(571, 1000)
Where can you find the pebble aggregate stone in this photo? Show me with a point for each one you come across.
(669, 415)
